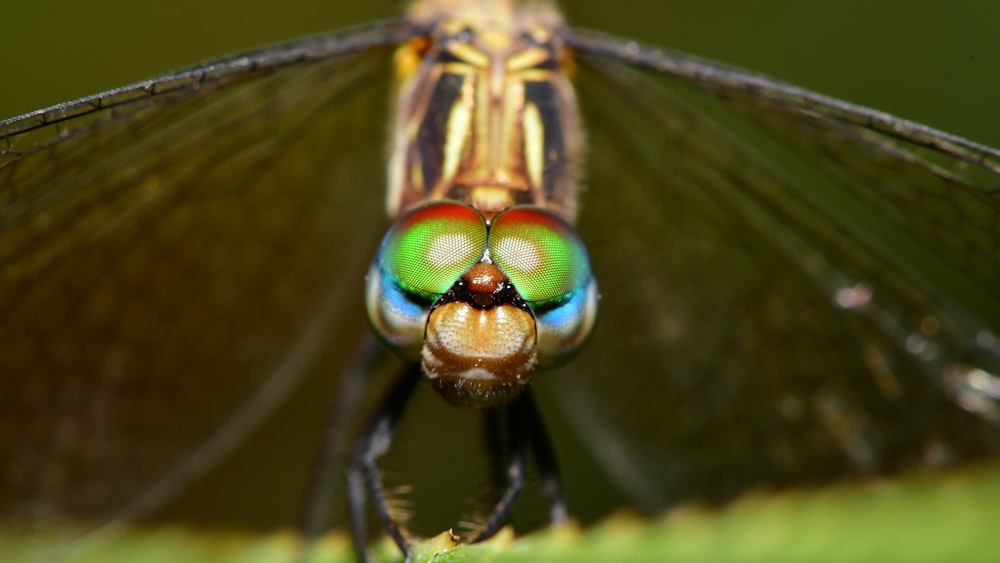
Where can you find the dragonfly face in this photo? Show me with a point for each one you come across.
(780, 383)
(479, 305)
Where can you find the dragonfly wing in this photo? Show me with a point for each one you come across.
(766, 319)
(175, 255)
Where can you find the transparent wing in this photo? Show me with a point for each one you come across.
(794, 289)
(175, 255)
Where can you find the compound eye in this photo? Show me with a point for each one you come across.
(540, 253)
(428, 249)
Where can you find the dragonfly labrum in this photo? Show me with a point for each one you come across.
(793, 289)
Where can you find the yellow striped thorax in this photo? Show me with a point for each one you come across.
(486, 114)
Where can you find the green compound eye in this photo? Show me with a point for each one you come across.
(429, 248)
(540, 253)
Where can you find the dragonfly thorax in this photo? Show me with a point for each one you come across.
(486, 114)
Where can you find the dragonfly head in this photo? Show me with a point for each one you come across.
(481, 304)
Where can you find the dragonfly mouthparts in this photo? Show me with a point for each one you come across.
(480, 345)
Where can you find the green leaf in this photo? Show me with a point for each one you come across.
(924, 517)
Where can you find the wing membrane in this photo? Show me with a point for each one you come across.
(777, 317)
(176, 253)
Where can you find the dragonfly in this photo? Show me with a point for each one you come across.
(785, 319)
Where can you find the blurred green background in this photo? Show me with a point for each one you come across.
(915, 59)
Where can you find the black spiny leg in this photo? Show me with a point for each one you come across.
(514, 469)
(524, 425)
(362, 469)
(495, 441)
(545, 459)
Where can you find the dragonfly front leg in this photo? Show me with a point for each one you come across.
(363, 472)
(524, 426)
(545, 458)
(511, 465)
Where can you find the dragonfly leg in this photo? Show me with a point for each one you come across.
(495, 440)
(545, 459)
(363, 472)
(525, 426)
(513, 468)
